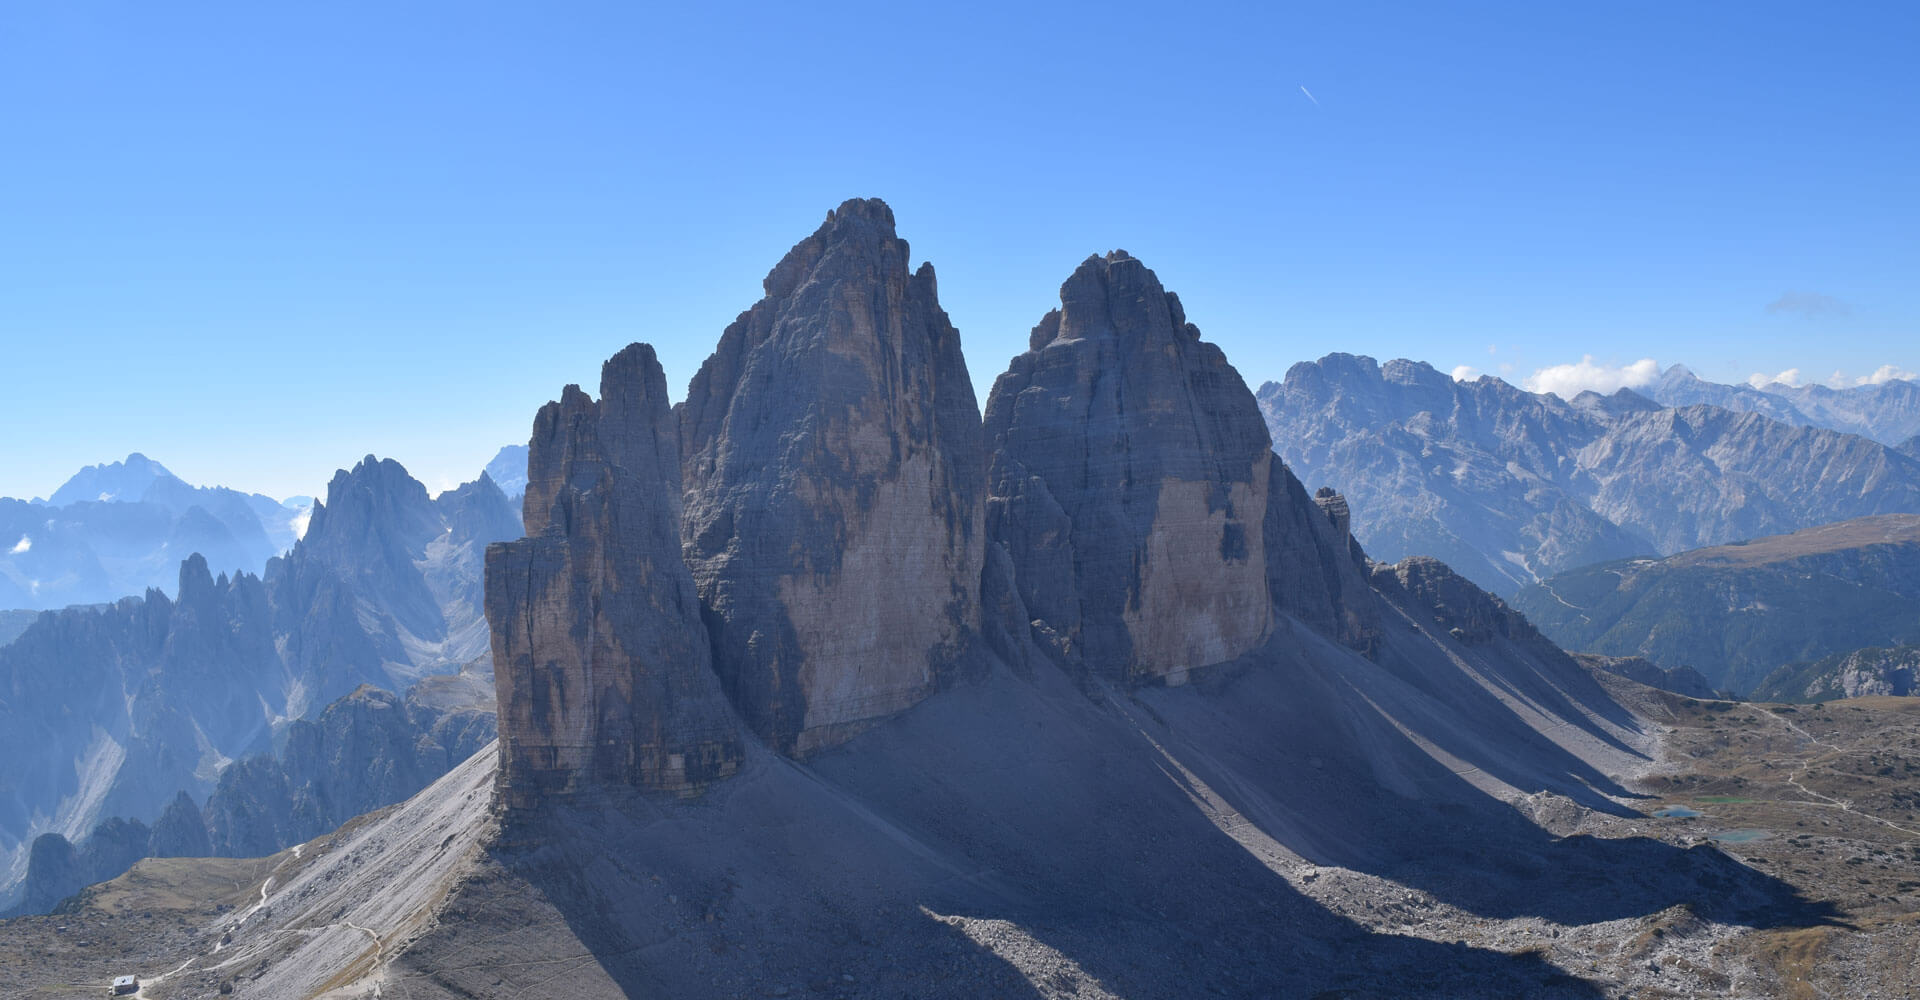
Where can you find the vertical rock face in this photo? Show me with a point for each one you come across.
(601, 662)
(1152, 528)
(834, 488)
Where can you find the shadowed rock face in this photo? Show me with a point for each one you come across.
(1472, 615)
(1134, 486)
(833, 473)
(601, 662)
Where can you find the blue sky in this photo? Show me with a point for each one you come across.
(256, 241)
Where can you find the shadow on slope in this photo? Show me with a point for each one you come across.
(1348, 784)
(1006, 838)
(1018, 836)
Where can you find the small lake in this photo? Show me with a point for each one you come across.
(1677, 812)
(1741, 836)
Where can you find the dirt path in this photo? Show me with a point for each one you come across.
(379, 954)
(1827, 801)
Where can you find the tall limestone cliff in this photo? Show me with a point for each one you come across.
(601, 662)
(1151, 526)
(834, 481)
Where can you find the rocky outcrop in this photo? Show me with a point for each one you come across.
(833, 476)
(373, 529)
(1466, 612)
(1858, 673)
(1332, 504)
(56, 869)
(368, 750)
(54, 872)
(180, 832)
(601, 661)
(1679, 680)
(1151, 528)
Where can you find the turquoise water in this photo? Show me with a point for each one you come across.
(1741, 836)
(1677, 812)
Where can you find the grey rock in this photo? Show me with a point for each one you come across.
(1466, 612)
(56, 869)
(180, 832)
(367, 750)
(602, 663)
(1860, 673)
(1679, 680)
(834, 482)
(1151, 528)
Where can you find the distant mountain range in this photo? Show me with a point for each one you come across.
(1510, 487)
(111, 710)
(1738, 613)
(368, 749)
(1887, 412)
(123, 528)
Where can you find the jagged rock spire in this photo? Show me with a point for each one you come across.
(601, 661)
(834, 479)
(1152, 528)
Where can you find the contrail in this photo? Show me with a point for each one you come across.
(1309, 93)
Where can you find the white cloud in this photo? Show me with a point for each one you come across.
(301, 520)
(1886, 373)
(1789, 378)
(22, 545)
(1792, 379)
(1465, 373)
(1568, 381)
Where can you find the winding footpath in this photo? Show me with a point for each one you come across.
(1827, 801)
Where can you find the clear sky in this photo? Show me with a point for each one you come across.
(259, 240)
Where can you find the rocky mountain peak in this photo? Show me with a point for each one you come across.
(124, 481)
(832, 470)
(478, 511)
(1335, 507)
(602, 664)
(1134, 488)
(196, 581)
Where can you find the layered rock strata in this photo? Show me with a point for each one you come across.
(1151, 526)
(834, 485)
(601, 661)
